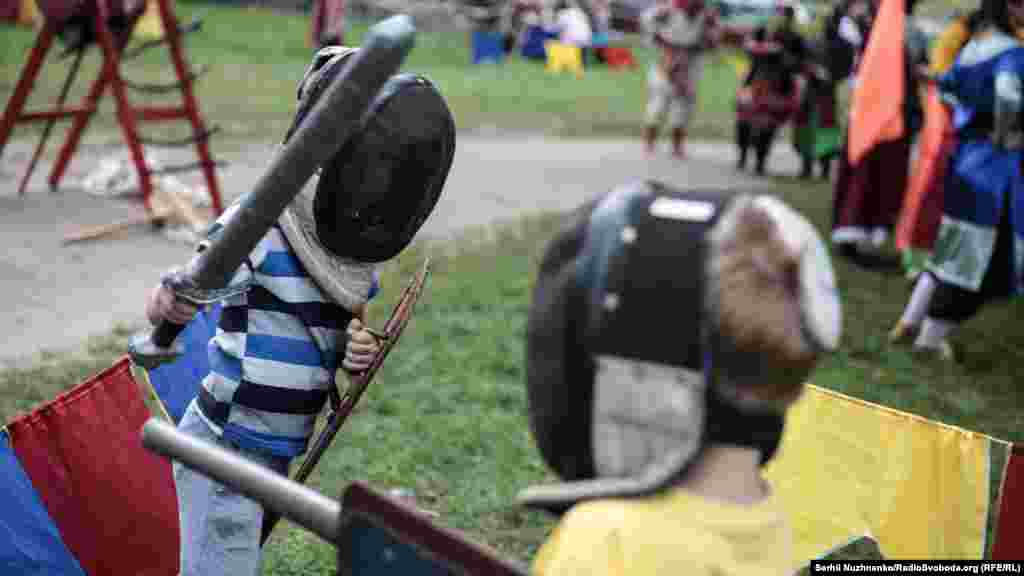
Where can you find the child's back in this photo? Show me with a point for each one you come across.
(668, 334)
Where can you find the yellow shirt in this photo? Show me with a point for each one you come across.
(676, 532)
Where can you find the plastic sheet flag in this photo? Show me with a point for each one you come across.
(177, 383)
(30, 544)
(1010, 532)
(111, 499)
(919, 220)
(876, 108)
(848, 469)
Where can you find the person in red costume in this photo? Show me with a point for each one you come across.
(770, 95)
(682, 31)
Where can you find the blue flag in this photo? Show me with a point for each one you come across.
(30, 544)
(177, 383)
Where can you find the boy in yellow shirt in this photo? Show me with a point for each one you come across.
(668, 334)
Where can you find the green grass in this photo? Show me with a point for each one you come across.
(446, 416)
(256, 58)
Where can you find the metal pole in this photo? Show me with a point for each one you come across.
(307, 508)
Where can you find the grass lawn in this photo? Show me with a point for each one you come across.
(446, 417)
(256, 58)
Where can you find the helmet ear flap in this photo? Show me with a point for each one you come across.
(313, 80)
(321, 58)
(374, 194)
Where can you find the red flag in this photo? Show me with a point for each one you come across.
(112, 500)
(1010, 531)
(876, 110)
(919, 220)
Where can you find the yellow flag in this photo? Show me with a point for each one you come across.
(847, 469)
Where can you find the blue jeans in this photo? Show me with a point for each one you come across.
(219, 528)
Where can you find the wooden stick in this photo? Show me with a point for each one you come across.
(161, 209)
(93, 232)
(148, 385)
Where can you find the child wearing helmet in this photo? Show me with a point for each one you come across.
(682, 31)
(668, 334)
(297, 307)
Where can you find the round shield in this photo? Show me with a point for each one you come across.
(376, 193)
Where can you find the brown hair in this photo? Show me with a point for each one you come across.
(755, 323)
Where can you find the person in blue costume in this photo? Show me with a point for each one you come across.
(979, 252)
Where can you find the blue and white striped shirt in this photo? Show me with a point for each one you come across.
(275, 352)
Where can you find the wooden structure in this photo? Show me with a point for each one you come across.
(108, 24)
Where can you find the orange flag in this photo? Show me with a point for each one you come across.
(922, 205)
(876, 110)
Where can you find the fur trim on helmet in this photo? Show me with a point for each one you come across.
(664, 321)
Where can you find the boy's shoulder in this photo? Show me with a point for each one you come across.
(621, 536)
(597, 521)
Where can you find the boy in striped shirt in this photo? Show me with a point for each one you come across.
(300, 307)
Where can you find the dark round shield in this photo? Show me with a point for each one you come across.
(376, 193)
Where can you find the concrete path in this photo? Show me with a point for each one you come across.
(58, 295)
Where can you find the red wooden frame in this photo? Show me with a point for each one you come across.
(129, 117)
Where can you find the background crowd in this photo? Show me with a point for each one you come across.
(940, 177)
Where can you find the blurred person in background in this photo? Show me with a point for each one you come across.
(868, 195)
(770, 94)
(574, 26)
(682, 30)
(817, 135)
(979, 253)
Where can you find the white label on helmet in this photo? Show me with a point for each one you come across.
(678, 209)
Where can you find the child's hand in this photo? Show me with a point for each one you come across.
(163, 305)
(362, 347)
